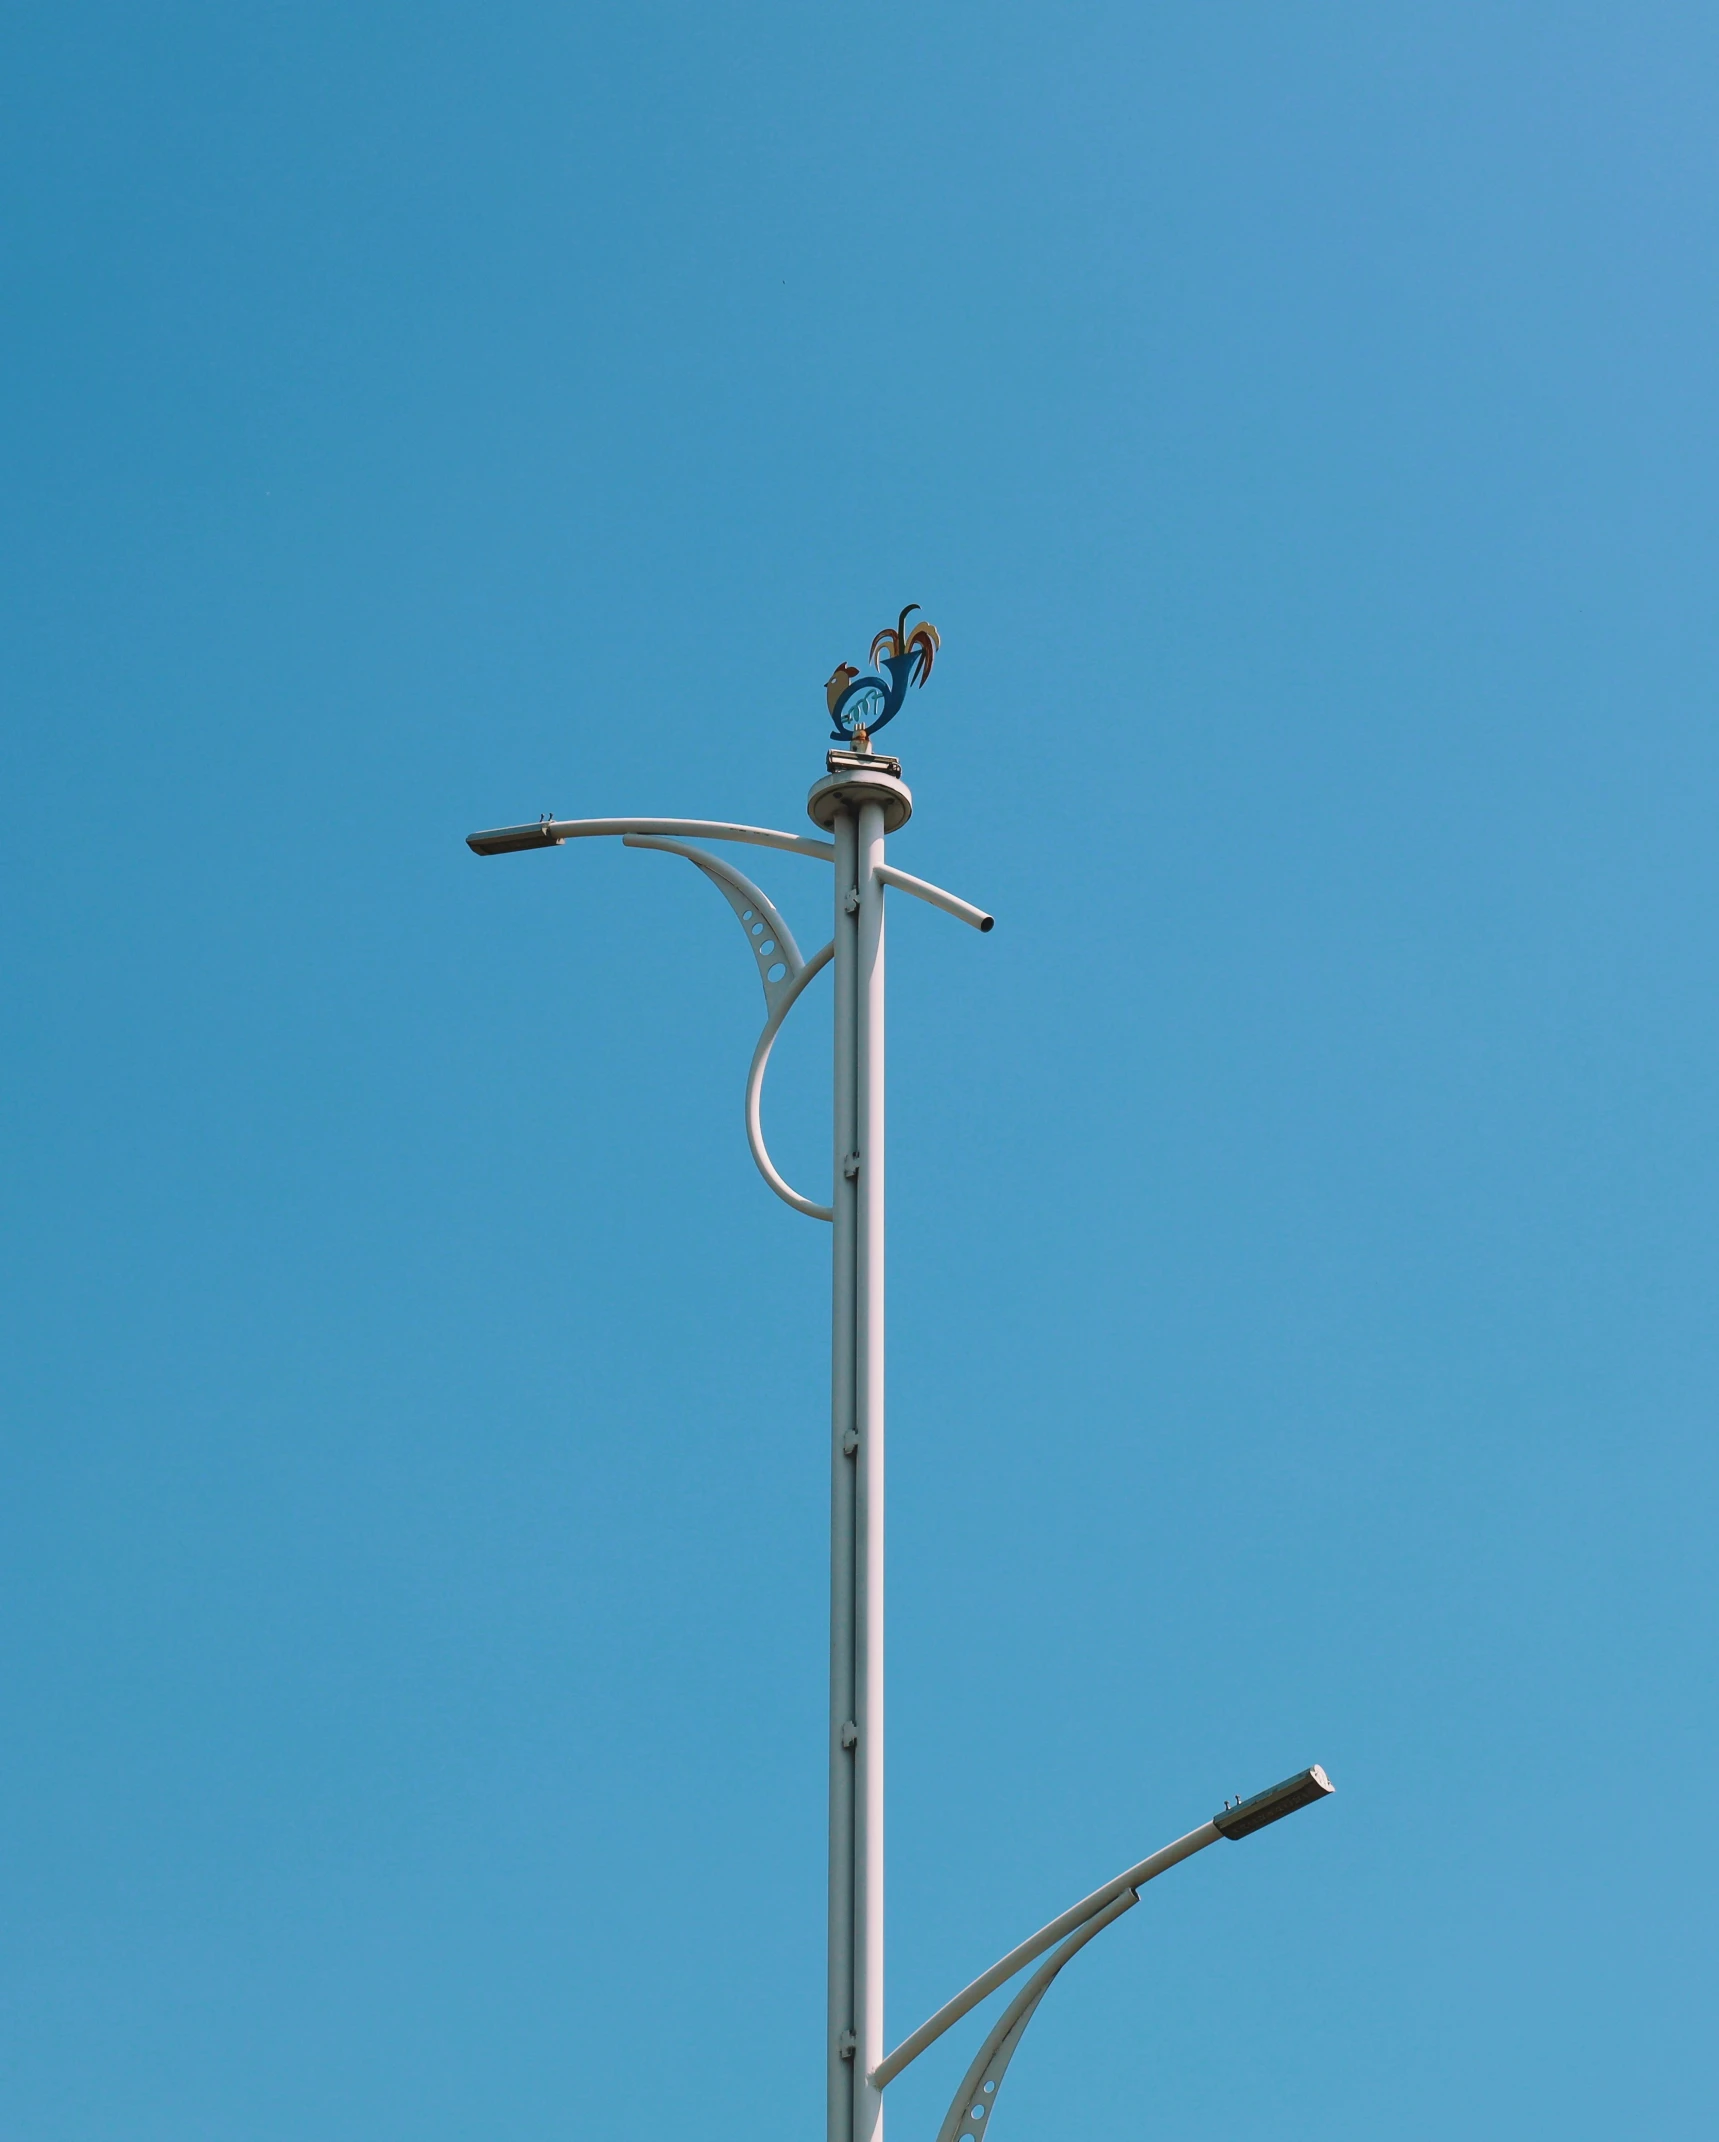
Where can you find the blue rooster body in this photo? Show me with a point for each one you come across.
(905, 658)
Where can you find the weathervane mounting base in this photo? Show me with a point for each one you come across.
(860, 780)
(862, 762)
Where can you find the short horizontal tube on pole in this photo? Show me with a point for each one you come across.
(935, 896)
(1047, 1936)
(551, 832)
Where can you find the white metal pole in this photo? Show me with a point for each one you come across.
(844, 1199)
(868, 1501)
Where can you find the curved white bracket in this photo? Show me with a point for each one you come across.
(755, 1088)
(772, 941)
(969, 2117)
(784, 975)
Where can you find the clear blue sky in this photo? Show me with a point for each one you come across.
(1301, 425)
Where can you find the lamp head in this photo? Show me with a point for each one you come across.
(509, 840)
(1272, 1805)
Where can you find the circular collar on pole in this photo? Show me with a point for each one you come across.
(847, 787)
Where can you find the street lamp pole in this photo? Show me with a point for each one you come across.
(861, 800)
(841, 2039)
(861, 804)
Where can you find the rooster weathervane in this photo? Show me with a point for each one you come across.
(859, 706)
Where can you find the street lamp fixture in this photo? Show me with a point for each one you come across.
(1074, 1928)
(860, 800)
(1300, 1791)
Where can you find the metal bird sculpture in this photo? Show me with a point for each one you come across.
(859, 706)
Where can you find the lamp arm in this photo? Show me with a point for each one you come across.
(551, 832)
(1240, 1819)
(1066, 1923)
